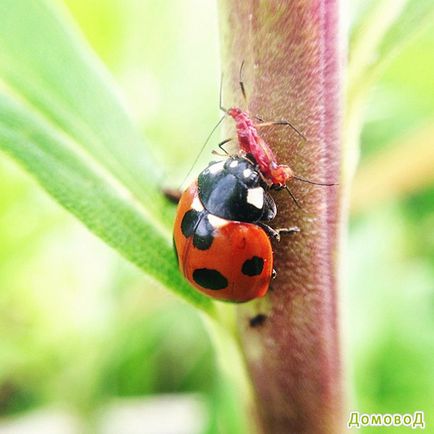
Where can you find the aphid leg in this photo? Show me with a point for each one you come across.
(292, 197)
(221, 145)
(262, 124)
(278, 187)
(275, 233)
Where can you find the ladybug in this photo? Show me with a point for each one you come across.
(221, 235)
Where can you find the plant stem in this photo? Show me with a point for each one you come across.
(292, 71)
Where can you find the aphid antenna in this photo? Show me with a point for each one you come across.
(201, 150)
(298, 178)
(212, 131)
(243, 89)
(221, 95)
(308, 181)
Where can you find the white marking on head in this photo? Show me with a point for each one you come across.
(247, 173)
(234, 163)
(216, 168)
(255, 197)
(197, 204)
(216, 222)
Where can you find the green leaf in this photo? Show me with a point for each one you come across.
(381, 32)
(62, 119)
(415, 18)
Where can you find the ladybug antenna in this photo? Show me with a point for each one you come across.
(243, 89)
(292, 197)
(325, 184)
(201, 150)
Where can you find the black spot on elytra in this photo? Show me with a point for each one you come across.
(204, 234)
(253, 266)
(210, 279)
(196, 224)
(257, 320)
(189, 222)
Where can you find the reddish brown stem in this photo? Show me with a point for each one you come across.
(292, 71)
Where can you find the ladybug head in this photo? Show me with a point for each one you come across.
(244, 169)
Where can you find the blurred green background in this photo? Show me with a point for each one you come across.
(86, 336)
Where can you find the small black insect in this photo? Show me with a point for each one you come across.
(258, 320)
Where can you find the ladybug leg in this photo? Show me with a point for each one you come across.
(270, 231)
(288, 231)
(275, 233)
(172, 194)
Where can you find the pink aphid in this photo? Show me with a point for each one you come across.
(252, 143)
